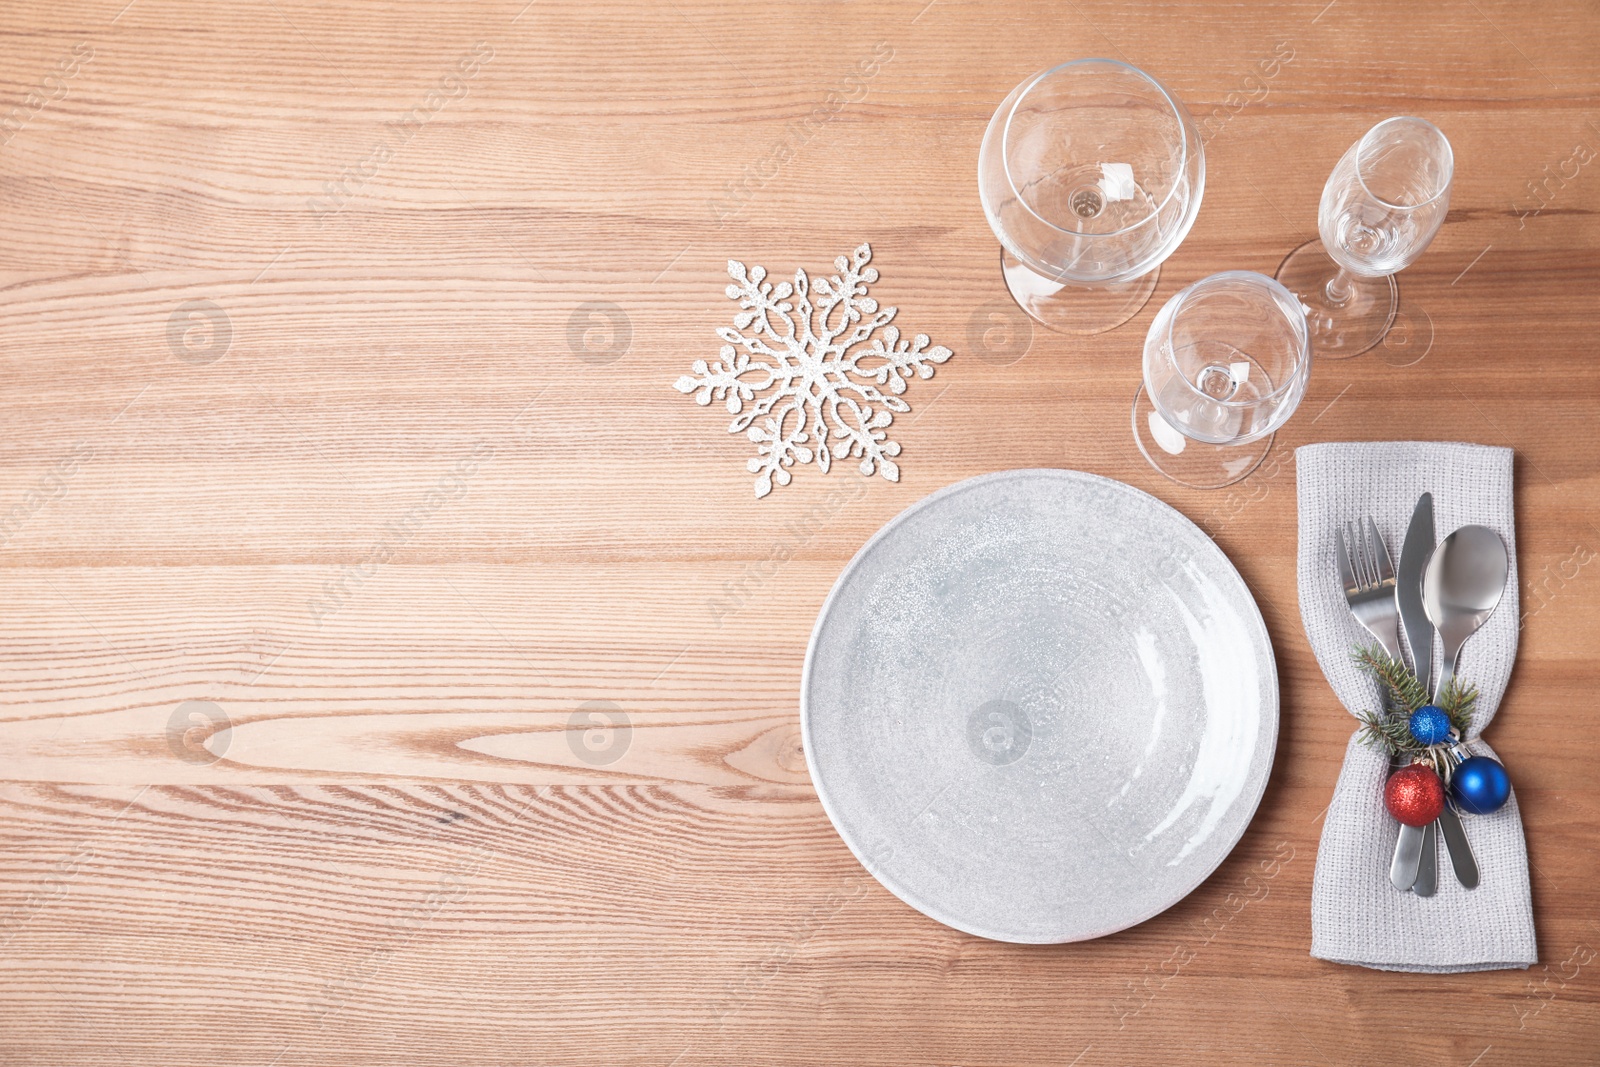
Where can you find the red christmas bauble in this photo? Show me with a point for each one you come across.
(1414, 795)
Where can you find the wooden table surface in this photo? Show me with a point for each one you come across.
(395, 669)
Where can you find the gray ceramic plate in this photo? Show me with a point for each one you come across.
(1040, 706)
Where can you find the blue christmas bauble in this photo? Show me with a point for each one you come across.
(1430, 725)
(1480, 785)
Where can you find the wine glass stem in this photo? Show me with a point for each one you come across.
(1339, 287)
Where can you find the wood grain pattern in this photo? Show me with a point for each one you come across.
(401, 828)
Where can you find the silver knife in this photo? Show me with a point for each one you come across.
(1415, 552)
(1415, 846)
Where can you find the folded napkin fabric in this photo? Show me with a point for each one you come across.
(1357, 915)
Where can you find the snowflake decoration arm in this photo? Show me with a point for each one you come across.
(899, 360)
(800, 340)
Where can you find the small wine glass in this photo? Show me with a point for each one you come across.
(1382, 205)
(1225, 364)
(1090, 175)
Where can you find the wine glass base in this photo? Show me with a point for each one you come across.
(1070, 307)
(1344, 328)
(1187, 461)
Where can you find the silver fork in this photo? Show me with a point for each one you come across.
(1367, 575)
(1368, 579)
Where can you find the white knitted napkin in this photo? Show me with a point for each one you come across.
(1357, 916)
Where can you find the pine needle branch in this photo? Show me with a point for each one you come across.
(1388, 732)
(1391, 730)
(1457, 702)
(1400, 685)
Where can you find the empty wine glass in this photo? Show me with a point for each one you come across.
(1382, 205)
(1091, 175)
(1225, 364)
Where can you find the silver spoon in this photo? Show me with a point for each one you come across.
(1461, 588)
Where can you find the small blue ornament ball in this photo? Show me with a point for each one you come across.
(1480, 785)
(1430, 725)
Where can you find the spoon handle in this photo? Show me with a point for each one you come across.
(1455, 839)
(1447, 673)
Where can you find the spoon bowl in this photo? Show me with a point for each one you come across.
(1464, 582)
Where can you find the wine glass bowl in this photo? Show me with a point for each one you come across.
(1090, 174)
(1381, 207)
(1226, 363)
(1387, 197)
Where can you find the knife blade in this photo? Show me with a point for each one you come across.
(1415, 552)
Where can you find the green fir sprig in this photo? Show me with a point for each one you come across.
(1399, 685)
(1390, 732)
(1405, 693)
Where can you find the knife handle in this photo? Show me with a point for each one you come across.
(1428, 868)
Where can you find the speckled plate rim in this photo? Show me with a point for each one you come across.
(1266, 753)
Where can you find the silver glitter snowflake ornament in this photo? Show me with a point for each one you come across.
(825, 379)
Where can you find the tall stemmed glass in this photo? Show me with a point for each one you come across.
(1091, 175)
(1225, 364)
(1381, 207)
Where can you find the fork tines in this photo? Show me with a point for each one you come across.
(1364, 563)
